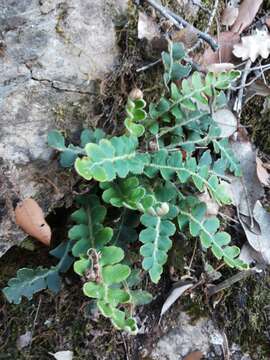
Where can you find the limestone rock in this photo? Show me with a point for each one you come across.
(52, 52)
(186, 337)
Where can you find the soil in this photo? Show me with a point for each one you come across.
(69, 321)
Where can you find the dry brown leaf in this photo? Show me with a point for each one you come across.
(262, 173)
(247, 12)
(195, 355)
(220, 67)
(226, 41)
(253, 46)
(29, 216)
(229, 15)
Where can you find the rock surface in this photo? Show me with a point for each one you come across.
(186, 337)
(52, 52)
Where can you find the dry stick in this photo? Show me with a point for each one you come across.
(202, 35)
(179, 22)
(229, 282)
(209, 24)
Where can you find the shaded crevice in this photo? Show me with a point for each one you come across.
(54, 86)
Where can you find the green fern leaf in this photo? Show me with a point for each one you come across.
(128, 193)
(89, 231)
(30, 281)
(172, 164)
(111, 158)
(193, 214)
(222, 147)
(157, 243)
(174, 70)
(110, 274)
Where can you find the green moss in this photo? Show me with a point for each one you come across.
(244, 314)
(257, 123)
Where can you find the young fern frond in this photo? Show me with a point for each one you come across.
(174, 69)
(127, 193)
(107, 288)
(135, 113)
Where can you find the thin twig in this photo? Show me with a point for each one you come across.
(148, 66)
(179, 22)
(239, 100)
(192, 257)
(33, 327)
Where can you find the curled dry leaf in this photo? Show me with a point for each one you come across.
(29, 216)
(226, 41)
(195, 355)
(174, 295)
(220, 67)
(247, 12)
(260, 242)
(262, 173)
(229, 15)
(253, 46)
(226, 121)
(249, 255)
(147, 27)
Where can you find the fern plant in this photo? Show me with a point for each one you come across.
(169, 152)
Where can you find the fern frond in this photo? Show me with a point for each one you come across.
(193, 214)
(157, 243)
(109, 273)
(111, 158)
(172, 164)
(222, 147)
(174, 70)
